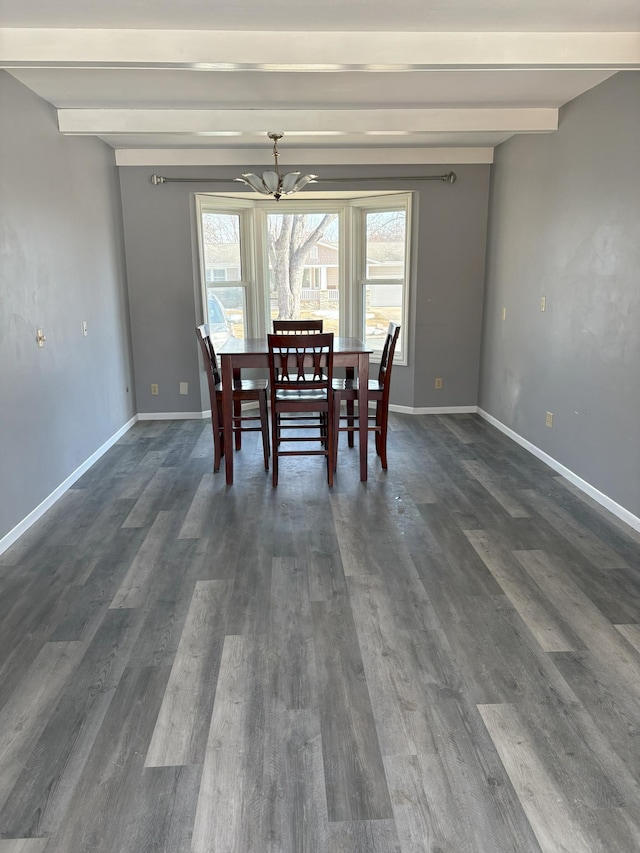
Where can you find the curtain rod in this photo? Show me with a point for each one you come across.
(449, 178)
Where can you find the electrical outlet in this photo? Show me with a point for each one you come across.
(549, 420)
(504, 313)
(184, 387)
(438, 383)
(154, 389)
(40, 337)
(543, 303)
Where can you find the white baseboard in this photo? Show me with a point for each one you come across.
(434, 410)
(57, 493)
(185, 416)
(173, 416)
(605, 501)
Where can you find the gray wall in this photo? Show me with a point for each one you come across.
(446, 301)
(62, 263)
(162, 292)
(447, 324)
(565, 224)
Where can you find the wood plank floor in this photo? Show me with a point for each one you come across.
(443, 659)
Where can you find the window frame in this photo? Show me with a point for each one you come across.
(380, 204)
(230, 206)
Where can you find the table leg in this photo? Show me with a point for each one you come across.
(226, 368)
(363, 411)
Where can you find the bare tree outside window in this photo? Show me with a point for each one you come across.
(291, 237)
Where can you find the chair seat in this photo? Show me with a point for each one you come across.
(302, 395)
(352, 385)
(250, 385)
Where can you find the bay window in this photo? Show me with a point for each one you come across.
(342, 260)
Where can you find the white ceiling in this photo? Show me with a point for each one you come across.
(347, 81)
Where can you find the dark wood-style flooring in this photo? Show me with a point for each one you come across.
(444, 659)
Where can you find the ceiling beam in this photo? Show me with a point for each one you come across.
(316, 156)
(515, 120)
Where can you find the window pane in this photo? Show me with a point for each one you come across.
(385, 242)
(221, 237)
(383, 305)
(304, 252)
(226, 313)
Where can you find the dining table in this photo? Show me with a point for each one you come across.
(237, 354)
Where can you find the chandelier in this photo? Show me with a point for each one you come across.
(272, 182)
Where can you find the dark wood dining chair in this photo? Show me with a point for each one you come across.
(378, 391)
(300, 379)
(297, 327)
(244, 390)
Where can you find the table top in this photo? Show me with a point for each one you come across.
(259, 346)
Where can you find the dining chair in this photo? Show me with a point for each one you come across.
(297, 327)
(244, 390)
(300, 379)
(378, 391)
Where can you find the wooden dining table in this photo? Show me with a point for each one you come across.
(237, 354)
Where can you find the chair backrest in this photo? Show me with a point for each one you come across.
(386, 362)
(301, 362)
(208, 355)
(297, 327)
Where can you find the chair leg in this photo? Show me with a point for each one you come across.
(264, 423)
(275, 436)
(218, 438)
(378, 433)
(324, 429)
(217, 451)
(382, 437)
(350, 422)
(237, 414)
(337, 407)
(331, 454)
(350, 375)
